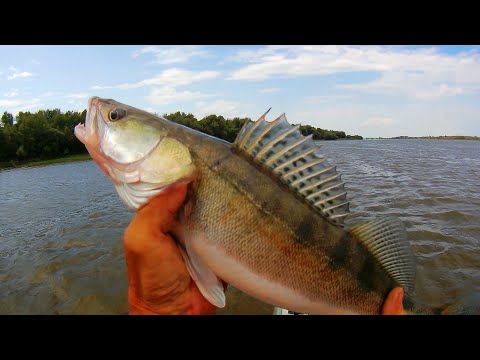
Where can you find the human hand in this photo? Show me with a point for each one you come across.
(394, 303)
(158, 279)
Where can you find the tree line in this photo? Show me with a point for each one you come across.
(48, 134)
(45, 134)
(228, 129)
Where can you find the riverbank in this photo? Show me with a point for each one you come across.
(450, 137)
(19, 164)
(460, 137)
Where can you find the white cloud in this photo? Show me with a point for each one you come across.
(225, 108)
(325, 98)
(287, 61)
(16, 105)
(171, 77)
(168, 95)
(335, 117)
(12, 93)
(172, 54)
(417, 85)
(439, 91)
(28, 106)
(423, 73)
(377, 122)
(269, 90)
(22, 74)
(48, 94)
(150, 110)
(77, 96)
(18, 74)
(74, 105)
(10, 103)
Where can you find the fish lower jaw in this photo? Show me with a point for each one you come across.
(270, 292)
(80, 132)
(85, 134)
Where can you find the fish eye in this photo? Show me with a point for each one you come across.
(117, 114)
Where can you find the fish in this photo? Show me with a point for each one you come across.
(265, 214)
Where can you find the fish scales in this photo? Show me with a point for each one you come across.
(244, 211)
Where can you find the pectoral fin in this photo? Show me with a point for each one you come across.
(207, 282)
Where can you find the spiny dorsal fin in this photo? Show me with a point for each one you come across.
(292, 157)
(386, 239)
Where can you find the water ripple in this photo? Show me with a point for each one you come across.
(433, 187)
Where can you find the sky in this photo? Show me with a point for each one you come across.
(373, 91)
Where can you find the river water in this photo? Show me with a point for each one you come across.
(61, 226)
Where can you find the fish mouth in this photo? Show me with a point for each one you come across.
(90, 134)
(86, 131)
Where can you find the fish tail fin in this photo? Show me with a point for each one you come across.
(464, 305)
(386, 239)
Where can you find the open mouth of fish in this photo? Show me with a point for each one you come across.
(85, 131)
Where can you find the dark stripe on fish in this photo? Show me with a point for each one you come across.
(339, 254)
(367, 276)
(305, 231)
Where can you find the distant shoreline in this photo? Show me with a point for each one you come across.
(428, 138)
(61, 160)
(83, 157)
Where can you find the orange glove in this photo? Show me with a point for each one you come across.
(158, 280)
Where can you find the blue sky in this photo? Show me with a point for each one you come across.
(367, 90)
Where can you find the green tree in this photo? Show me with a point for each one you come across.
(7, 119)
(183, 119)
(21, 152)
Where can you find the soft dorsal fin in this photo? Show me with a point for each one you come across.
(292, 157)
(385, 238)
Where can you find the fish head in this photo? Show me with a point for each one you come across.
(135, 149)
